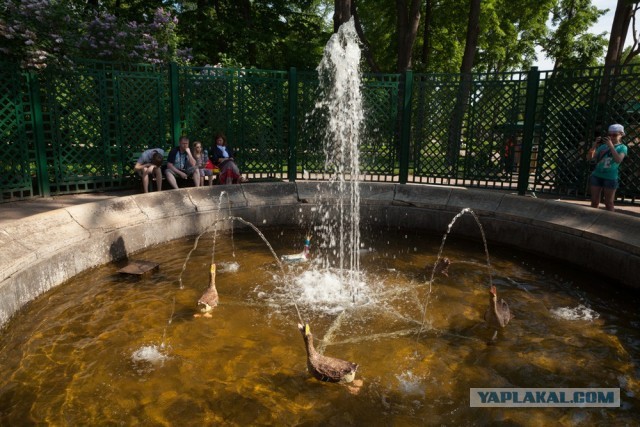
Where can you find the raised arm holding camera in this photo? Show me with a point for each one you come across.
(608, 153)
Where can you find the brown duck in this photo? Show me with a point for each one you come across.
(209, 299)
(498, 314)
(326, 368)
(442, 267)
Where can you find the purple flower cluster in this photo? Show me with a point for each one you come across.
(27, 32)
(150, 42)
(42, 32)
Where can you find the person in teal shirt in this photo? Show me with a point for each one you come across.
(608, 157)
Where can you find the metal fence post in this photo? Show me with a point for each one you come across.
(174, 94)
(531, 101)
(38, 133)
(293, 123)
(405, 131)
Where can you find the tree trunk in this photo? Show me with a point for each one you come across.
(248, 22)
(341, 13)
(473, 31)
(408, 22)
(619, 29)
(368, 53)
(635, 48)
(455, 127)
(426, 35)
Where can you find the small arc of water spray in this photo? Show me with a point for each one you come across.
(215, 234)
(164, 333)
(215, 231)
(252, 226)
(444, 239)
(195, 245)
(328, 336)
(245, 222)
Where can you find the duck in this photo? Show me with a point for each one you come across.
(498, 314)
(209, 299)
(442, 266)
(302, 256)
(325, 368)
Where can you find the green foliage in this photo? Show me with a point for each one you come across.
(510, 30)
(448, 28)
(570, 44)
(263, 34)
(278, 34)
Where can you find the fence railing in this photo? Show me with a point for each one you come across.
(70, 131)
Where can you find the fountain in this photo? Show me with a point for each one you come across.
(341, 104)
(99, 349)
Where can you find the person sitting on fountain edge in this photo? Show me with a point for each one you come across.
(149, 163)
(181, 163)
(223, 156)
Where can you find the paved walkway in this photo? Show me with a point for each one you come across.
(12, 211)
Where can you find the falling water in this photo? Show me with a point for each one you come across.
(444, 240)
(341, 103)
(215, 235)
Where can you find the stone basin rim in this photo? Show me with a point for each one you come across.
(42, 251)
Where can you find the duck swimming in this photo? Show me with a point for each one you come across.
(442, 267)
(209, 299)
(326, 368)
(498, 314)
(302, 256)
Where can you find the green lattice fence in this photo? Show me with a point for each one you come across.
(434, 102)
(380, 143)
(309, 152)
(483, 148)
(249, 106)
(17, 163)
(623, 106)
(571, 116)
(492, 143)
(76, 130)
(208, 103)
(568, 124)
(261, 122)
(141, 114)
(95, 118)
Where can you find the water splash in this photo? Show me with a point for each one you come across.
(228, 267)
(324, 291)
(341, 104)
(410, 384)
(581, 312)
(151, 355)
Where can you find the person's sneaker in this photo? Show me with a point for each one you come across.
(243, 179)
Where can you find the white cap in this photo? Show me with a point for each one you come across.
(616, 128)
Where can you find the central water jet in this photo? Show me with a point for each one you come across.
(341, 105)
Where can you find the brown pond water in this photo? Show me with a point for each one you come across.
(100, 349)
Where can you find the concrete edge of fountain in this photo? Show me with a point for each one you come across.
(44, 250)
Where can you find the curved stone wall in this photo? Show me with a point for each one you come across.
(43, 251)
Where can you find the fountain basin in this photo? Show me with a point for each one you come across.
(42, 251)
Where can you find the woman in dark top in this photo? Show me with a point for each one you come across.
(222, 156)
